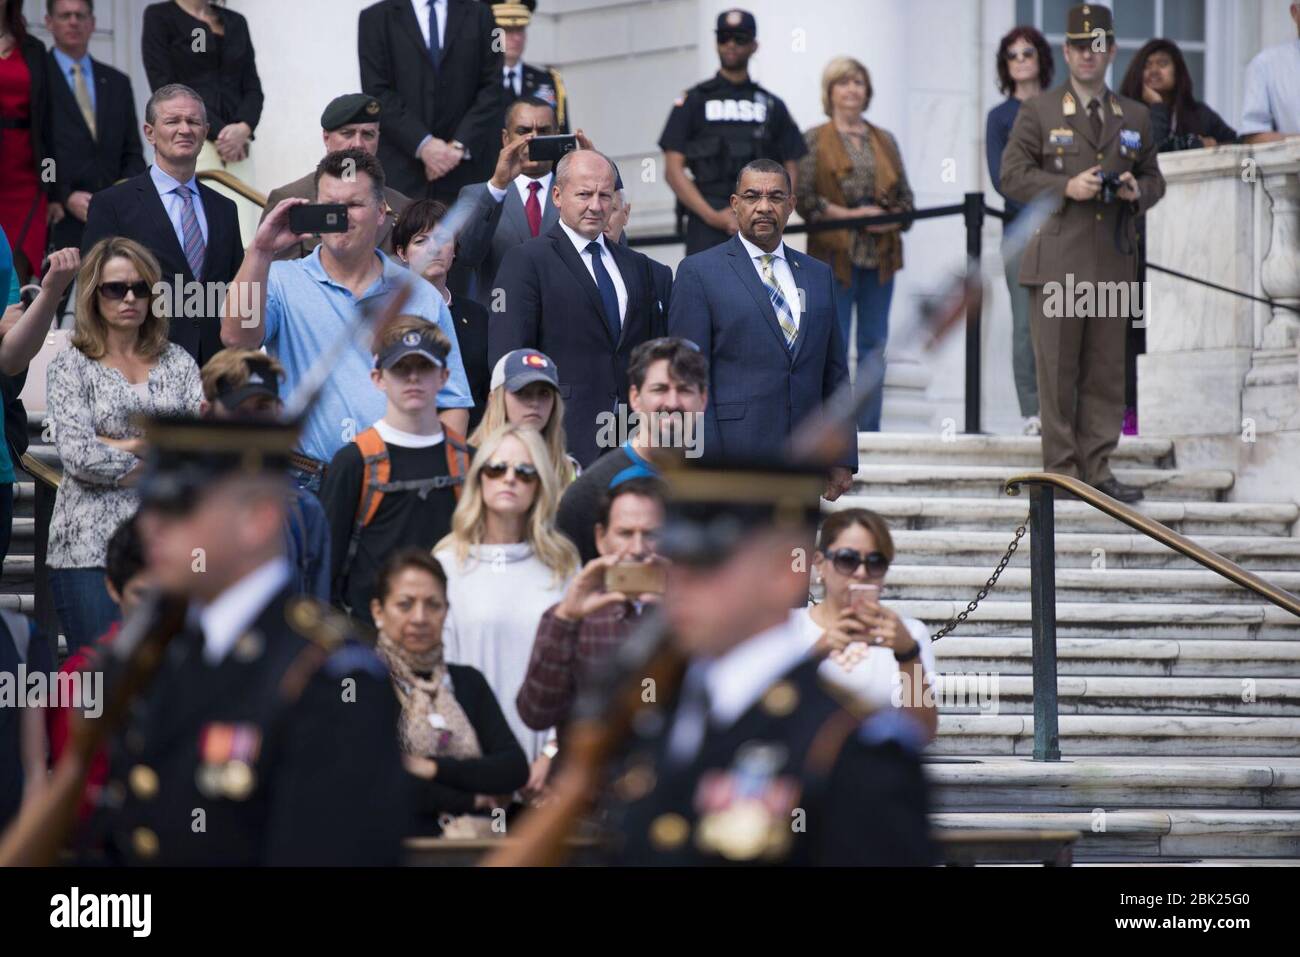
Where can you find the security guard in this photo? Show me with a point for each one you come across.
(523, 79)
(753, 761)
(350, 121)
(718, 126)
(266, 736)
(1094, 150)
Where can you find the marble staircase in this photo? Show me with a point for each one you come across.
(1179, 692)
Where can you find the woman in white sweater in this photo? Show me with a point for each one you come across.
(506, 564)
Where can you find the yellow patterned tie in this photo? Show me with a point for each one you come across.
(83, 97)
(779, 304)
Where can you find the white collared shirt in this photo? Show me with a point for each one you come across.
(521, 183)
(780, 270)
(735, 682)
(580, 244)
(421, 8)
(165, 183)
(226, 619)
(513, 77)
(407, 440)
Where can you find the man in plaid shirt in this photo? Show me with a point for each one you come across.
(589, 621)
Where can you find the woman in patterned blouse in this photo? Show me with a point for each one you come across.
(853, 169)
(119, 363)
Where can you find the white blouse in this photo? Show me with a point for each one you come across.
(872, 679)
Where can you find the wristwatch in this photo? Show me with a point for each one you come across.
(460, 146)
(552, 749)
(910, 656)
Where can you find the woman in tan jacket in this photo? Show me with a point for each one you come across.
(855, 169)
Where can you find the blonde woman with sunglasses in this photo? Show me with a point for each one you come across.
(506, 564)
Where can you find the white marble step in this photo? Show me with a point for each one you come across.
(1082, 735)
(1103, 619)
(1109, 781)
(980, 692)
(957, 582)
(1005, 512)
(1201, 485)
(1093, 549)
(1155, 833)
(1017, 451)
(1191, 658)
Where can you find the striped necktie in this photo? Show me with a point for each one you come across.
(191, 234)
(784, 315)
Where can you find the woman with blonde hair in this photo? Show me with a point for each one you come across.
(525, 391)
(854, 168)
(506, 563)
(119, 364)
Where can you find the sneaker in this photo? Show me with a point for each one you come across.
(1033, 425)
(1130, 421)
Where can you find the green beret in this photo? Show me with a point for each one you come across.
(351, 108)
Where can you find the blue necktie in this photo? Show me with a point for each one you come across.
(608, 294)
(435, 46)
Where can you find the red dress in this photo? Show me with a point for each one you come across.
(19, 185)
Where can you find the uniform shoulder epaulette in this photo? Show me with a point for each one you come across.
(320, 624)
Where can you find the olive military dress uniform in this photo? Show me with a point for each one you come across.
(1080, 360)
(284, 753)
(342, 110)
(720, 126)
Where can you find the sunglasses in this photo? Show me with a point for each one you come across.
(740, 39)
(1028, 53)
(118, 290)
(846, 562)
(525, 473)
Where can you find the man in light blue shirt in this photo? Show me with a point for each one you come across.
(1271, 109)
(299, 308)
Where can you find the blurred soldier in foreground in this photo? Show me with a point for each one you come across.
(266, 737)
(754, 761)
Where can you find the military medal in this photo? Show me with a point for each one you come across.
(227, 753)
(745, 812)
(1067, 104)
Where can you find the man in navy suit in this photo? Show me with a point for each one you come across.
(764, 315)
(191, 230)
(96, 139)
(582, 300)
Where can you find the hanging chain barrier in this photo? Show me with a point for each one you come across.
(988, 585)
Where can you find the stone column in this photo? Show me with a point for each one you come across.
(1280, 270)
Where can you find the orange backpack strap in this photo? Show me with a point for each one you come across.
(458, 456)
(378, 469)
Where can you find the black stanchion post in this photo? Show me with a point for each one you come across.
(1042, 590)
(43, 596)
(974, 214)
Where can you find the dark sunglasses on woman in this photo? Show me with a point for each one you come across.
(525, 473)
(118, 290)
(1026, 54)
(846, 561)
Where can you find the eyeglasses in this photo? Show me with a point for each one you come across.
(497, 470)
(752, 197)
(118, 290)
(846, 562)
(1027, 53)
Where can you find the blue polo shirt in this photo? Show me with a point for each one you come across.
(307, 311)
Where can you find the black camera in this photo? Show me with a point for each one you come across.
(1110, 187)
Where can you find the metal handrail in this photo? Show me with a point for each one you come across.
(41, 471)
(1164, 535)
(233, 183)
(1042, 583)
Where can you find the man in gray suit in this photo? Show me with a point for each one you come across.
(513, 206)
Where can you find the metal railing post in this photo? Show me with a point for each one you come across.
(974, 214)
(1042, 590)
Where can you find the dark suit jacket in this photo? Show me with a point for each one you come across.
(461, 100)
(305, 188)
(759, 391)
(552, 304)
(492, 229)
(85, 162)
(224, 73)
(471, 321)
(135, 210)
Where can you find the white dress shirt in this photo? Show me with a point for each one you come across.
(513, 76)
(226, 619)
(422, 16)
(734, 682)
(521, 185)
(780, 271)
(611, 267)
